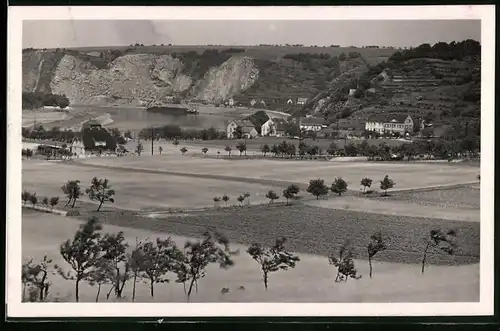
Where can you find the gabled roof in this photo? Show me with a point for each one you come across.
(390, 118)
(301, 99)
(311, 121)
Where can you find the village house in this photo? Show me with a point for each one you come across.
(247, 129)
(311, 124)
(253, 102)
(289, 102)
(268, 128)
(230, 102)
(301, 101)
(399, 123)
(77, 148)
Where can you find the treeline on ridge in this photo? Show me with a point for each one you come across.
(440, 50)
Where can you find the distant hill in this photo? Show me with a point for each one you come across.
(141, 74)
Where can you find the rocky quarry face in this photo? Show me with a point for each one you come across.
(134, 79)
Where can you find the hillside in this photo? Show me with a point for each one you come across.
(440, 83)
(138, 75)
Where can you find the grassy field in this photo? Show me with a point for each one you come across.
(140, 191)
(392, 282)
(42, 117)
(423, 175)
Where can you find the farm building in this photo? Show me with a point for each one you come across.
(77, 148)
(301, 101)
(268, 128)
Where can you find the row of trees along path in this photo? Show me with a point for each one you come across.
(107, 260)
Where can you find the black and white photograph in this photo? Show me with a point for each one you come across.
(247, 161)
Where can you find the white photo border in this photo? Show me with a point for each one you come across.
(16, 15)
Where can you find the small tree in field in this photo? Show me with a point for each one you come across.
(265, 149)
(175, 142)
(184, 150)
(386, 184)
(366, 182)
(53, 202)
(228, 150)
(271, 195)
(441, 241)
(45, 202)
(37, 275)
(139, 148)
(272, 259)
(332, 149)
(241, 147)
(157, 259)
(100, 275)
(33, 199)
(100, 190)
(246, 195)
(114, 247)
(317, 188)
(73, 191)
(339, 186)
(344, 261)
(225, 198)
(288, 195)
(204, 150)
(160, 149)
(212, 248)
(82, 253)
(216, 201)
(25, 196)
(376, 244)
(240, 199)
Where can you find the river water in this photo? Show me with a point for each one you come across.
(136, 119)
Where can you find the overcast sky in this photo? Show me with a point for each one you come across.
(74, 33)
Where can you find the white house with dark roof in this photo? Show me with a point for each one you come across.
(247, 128)
(301, 101)
(390, 123)
(312, 124)
(268, 128)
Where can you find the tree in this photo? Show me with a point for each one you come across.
(339, 186)
(271, 195)
(100, 190)
(265, 149)
(101, 273)
(160, 149)
(317, 188)
(225, 198)
(386, 184)
(157, 259)
(344, 263)
(128, 134)
(33, 199)
(139, 148)
(272, 259)
(63, 103)
(241, 147)
(332, 149)
(175, 142)
(216, 200)
(376, 244)
(73, 191)
(441, 241)
(212, 248)
(240, 199)
(228, 150)
(82, 253)
(204, 150)
(25, 196)
(351, 149)
(366, 182)
(290, 192)
(45, 201)
(37, 275)
(114, 247)
(184, 150)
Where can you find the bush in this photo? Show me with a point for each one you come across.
(73, 213)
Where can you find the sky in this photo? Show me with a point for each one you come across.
(80, 33)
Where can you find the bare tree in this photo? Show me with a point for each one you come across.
(37, 275)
